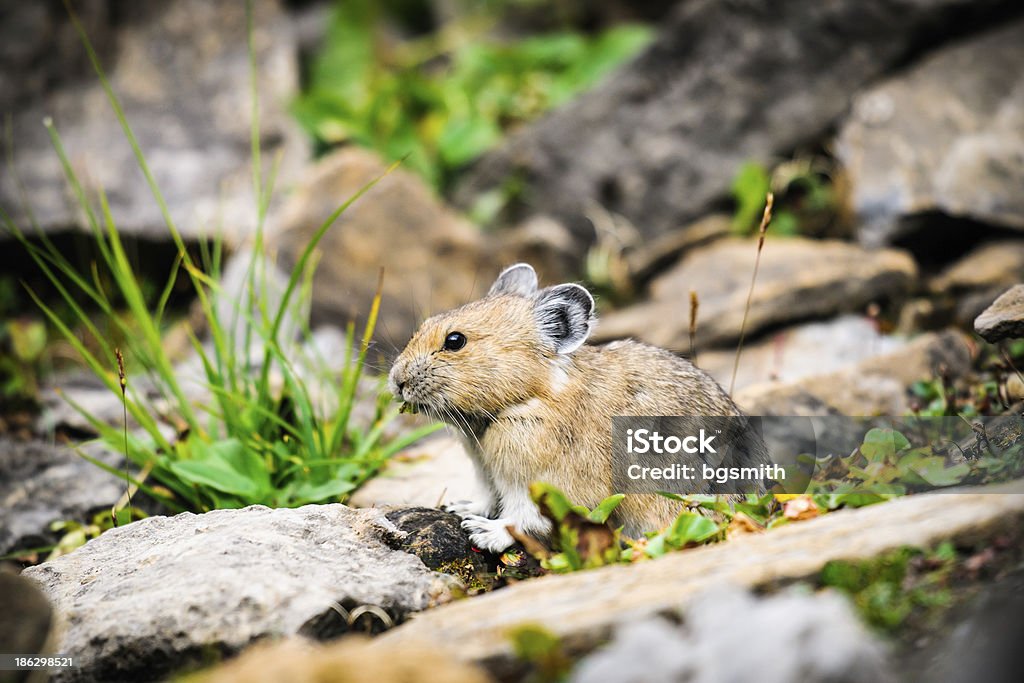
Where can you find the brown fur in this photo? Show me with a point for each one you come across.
(528, 413)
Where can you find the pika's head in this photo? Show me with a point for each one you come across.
(494, 353)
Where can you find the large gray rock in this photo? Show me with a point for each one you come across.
(583, 608)
(164, 592)
(181, 70)
(725, 82)
(793, 636)
(42, 483)
(948, 135)
(1004, 319)
(798, 279)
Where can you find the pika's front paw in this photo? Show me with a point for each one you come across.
(488, 534)
(469, 508)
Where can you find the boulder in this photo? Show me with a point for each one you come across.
(876, 386)
(166, 593)
(660, 141)
(946, 135)
(795, 635)
(181, 70)
(41, 483)
(1004, 319)
(433, 259)
(798, 279)
(584, 608)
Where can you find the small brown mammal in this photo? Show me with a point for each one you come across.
(533, 403)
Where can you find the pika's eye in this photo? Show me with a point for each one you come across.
(454, 341)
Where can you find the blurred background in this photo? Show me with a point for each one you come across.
(627, 145)
(175, 277)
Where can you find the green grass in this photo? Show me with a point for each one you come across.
(444, 98)
(257, 440)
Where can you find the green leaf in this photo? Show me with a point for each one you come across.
(226, 466)
(881, 444)
(216, 475)
(28, 339)
(749, 189)
(315, 493)
(935, 472)
(690, 527)
(605, 508)
(556, 501)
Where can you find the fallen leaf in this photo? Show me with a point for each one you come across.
(800, 508)
(743, 524)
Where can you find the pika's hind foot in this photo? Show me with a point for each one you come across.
(488, 534)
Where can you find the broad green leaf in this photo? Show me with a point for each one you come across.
(605, 508)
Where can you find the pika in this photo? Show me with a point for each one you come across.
(532, 402)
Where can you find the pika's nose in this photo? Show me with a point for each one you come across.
(397, 379)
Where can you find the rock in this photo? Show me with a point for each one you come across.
(182, 74)
(582, 608)
(660, 141)
(798, 279)
(801, 351)
(646, 259)
(542, 242)
(42, 483)
(984, 641)
(947, 135)
(1004, 319)
(973, 282)
(433, 260)
(350, 661)
(163, 593)
(431, 473)
(26, 619)
(877, 386)
(433, 535)
(786, 637)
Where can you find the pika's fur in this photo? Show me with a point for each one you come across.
(532, 403)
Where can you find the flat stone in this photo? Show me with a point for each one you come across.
(791, 636)
(583, 608)
(801, 351)
(946, 135)
(432, 473)
(352, 660)
(43, 482)
(798, 279)
(876, 386)
(1004, 319)
(151, 597)
(971, 283)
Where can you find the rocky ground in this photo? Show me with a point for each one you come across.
(918, 110)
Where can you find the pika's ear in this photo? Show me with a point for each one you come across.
(565, 314)
(518, 279)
